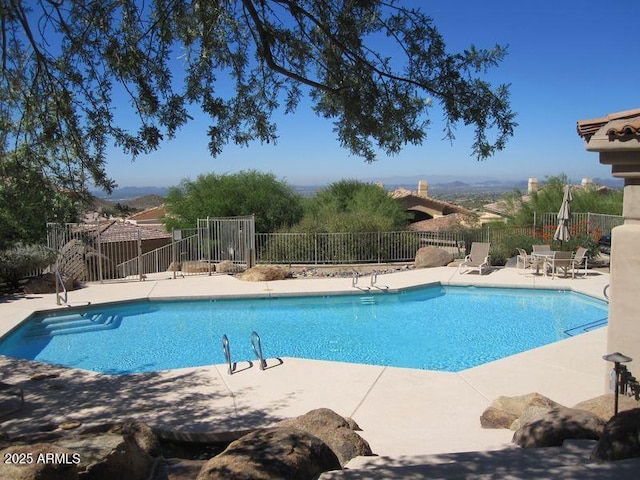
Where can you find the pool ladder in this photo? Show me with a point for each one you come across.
(354, 282)
(256, 345)
(227, 353)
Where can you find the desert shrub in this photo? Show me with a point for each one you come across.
(18, 260)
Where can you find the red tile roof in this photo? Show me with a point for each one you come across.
(113, 231)
(152, 213)
(622, 124)
(438, 224)
(404, 193)
(625, 128)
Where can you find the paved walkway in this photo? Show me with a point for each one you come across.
(401, 411)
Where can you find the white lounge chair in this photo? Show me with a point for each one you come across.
(580, 260)
(478, 258)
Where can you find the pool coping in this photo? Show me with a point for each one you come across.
(394, 406)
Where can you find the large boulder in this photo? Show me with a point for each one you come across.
(558, 425)
(429, 257)
(335, 431)
(302, 447)
(123, 451)
(39, 461)
(531, 414)
(227, 266)
(503, 411)
(46, 283)
(603, 405)
(271, 454)
(264, 273)
(620, 438)
(194, 266)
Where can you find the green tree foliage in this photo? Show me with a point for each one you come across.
(274, 203)
(28, 200)
(549, 198)
(353, 206)
(77, 76)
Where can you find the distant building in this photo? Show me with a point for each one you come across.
(150, 216)
(499, 209)
(428, 213)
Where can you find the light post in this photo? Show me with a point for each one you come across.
(617, 358)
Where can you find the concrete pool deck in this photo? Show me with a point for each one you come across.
(401, 411)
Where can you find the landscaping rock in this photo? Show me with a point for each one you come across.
(620, 438)
(272, 454)
(493, 417)
(264, 273)
(334, 430)
(503, 411)
(126, 451)
(227, 266)
(46, 283)
(196, 267)
(531, 414)
(558, 425)
(174, 266)
(429, 257)
(302, 447)
(603, 405)
(40, 461)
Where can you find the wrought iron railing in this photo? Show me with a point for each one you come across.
(195, 251)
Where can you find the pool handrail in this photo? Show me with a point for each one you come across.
(256, 345)
(227, 353)
(354, 282)
(60, 283)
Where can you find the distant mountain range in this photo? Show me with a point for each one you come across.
(440, 183)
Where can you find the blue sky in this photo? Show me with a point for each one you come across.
(567, 61)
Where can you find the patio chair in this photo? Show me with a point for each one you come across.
(559, 261)
(478, 258)
(541, 248)
(580, 260)
(12, 392)
(525, 262)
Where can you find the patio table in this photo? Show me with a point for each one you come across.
(542, 256)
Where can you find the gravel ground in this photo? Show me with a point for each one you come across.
(346, 271)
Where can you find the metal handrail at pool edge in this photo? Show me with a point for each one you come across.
(256, 345)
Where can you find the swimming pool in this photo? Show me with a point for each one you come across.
(434, 328)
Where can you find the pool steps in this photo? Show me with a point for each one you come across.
(68, 324)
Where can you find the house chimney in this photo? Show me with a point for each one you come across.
(532, 186)
(423, 189)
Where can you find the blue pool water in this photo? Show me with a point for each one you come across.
(434, 328)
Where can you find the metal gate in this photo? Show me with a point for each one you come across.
(100, 251)
(228, 239)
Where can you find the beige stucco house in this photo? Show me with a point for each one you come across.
(616, 138)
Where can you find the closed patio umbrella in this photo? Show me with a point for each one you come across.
(562, 233)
